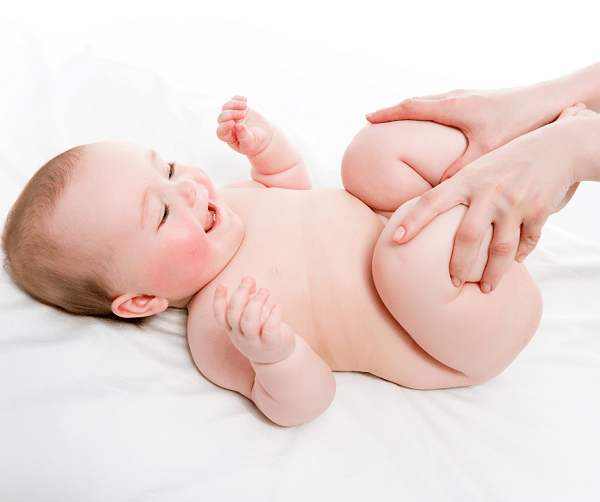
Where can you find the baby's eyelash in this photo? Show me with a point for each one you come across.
(166, 213)
(165, 216)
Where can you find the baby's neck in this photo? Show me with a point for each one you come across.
(181, 304)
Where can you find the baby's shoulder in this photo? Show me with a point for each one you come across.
(242, 184)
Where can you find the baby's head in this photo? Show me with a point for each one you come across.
(112, 229)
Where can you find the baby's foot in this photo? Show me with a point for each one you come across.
(578, 110)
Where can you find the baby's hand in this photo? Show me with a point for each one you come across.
(243, 129)
(257, 333)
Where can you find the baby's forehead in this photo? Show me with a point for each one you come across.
(115, 147)
(115, 157)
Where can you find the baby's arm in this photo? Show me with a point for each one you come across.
(275, 161)
(292, 385)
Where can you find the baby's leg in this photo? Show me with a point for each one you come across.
(387, 164)
(477, 334)
(474, 333)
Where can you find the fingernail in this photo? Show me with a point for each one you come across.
(485, 287)
(521, 258)
(398, 234)
(456, 282)
(369, 115)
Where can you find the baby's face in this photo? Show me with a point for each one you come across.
(166, 224)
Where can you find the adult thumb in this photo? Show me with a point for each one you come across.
(409, 109)
(466, 158)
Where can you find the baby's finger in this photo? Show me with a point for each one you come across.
(220, 306)
(271, 330)
(238, 301)
(236, 103)
(225, 132)
(231, 115)
(251, 318)
(244, 136)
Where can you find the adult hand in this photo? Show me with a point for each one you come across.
(489, 119)
(515, 188)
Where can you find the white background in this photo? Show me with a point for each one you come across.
(343, 59)
(94, 411)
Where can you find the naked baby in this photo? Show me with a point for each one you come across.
(283, 284)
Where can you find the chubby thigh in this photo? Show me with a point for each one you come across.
(474, 333)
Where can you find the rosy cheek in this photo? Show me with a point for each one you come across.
(183, 260)
(161, 278)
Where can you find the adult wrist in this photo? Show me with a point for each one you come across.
(590, 149)
(581, 135)
(546, 100)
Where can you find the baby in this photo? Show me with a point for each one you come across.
(113, 228)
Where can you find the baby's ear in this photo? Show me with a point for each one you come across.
(130, 305)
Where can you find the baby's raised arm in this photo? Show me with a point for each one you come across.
(275, 160)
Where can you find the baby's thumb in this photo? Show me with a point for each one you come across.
(244, 135)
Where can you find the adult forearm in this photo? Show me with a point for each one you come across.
(553, 96)
(586, 138)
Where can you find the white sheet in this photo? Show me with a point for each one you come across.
(92, 410)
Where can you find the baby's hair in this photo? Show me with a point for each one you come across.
(44, 268)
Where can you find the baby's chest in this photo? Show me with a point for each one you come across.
(273, 253)
(313, 253)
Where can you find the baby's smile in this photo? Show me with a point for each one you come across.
(211, 218)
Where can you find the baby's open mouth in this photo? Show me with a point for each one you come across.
(211, 218)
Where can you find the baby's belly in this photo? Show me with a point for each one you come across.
(350, 318)
(313, 251)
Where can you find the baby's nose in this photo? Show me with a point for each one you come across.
(188, 190)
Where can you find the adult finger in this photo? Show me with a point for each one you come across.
(467, 243)
(531, 231)
(432, 203)
(411, 109)
(501, 254)
(473, 152)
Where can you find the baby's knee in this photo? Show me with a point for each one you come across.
(359, 155)
(374, 170)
